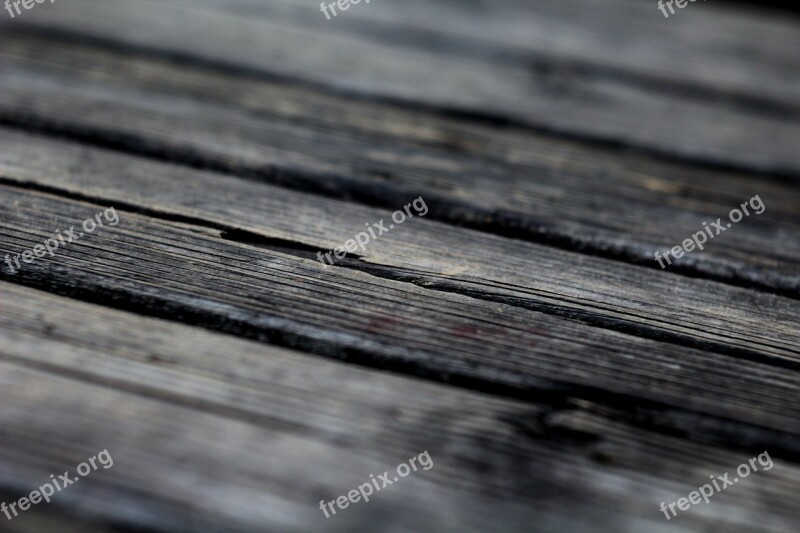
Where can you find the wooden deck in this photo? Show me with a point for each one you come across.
(519, 330)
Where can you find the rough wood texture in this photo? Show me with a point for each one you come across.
(533, 187)
(284, 430)
(595, 102)
(186, 274)
(521, 331)
(617, 36)
(643, 302)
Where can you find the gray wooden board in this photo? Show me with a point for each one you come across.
(208, 432)
(187, 273)
(574, 100)
(615, 37)
(652, 303)
(618, 205)
(521, 331)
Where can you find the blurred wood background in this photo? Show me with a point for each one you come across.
(520, 331)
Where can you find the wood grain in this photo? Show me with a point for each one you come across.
(613, 38)
(551, 95)
(520, 331)
(616, 205)
(211, 432)
(651, 303)
(188, 274)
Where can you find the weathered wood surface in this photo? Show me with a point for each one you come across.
(520, 331)
(691, 120)
(533, 187)
(191, 275)
(254, 439)
(649, 303)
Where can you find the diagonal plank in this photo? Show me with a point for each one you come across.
(264, 433)
(616, 205)
(641, 301)
(700, 51)
(576, 101)
(546, 378)
(189, 274)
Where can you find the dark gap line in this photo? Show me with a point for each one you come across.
(427, 281)
(565, 311)
(493, 119)
(650, 415)
(243, 236)
(373, 194)
(589, 318)
(548, 66)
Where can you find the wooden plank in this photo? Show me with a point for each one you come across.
(620, 206)
(555, 390)
(284, 426)
(189, 274)
(700, 51)
(256, 438)
(574, 101)
(604, 293)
